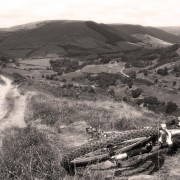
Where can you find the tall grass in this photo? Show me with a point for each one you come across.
(104, 114)
(26, 154)
(35, 151)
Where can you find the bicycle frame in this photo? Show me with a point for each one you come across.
(169, 134)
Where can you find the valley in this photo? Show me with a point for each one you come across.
(58, 78)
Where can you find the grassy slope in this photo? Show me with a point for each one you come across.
(61, 37)
(172, 29)
(68, 120)
(55, 125)
(135, 29)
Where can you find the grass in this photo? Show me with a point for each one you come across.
(55, 126)
(104, 114)
(26, 154)
(36, 62)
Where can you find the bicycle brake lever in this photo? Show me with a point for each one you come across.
(169, 138)
(166, 135)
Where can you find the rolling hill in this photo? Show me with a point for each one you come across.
(77, 38)
(172, 29)
(61, 37)
(138, 29)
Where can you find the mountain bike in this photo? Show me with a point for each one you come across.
(122, 146)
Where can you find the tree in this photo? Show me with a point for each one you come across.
(124, 99)
(127, 65)
(174, 83)
(177, 74)
(136, 93)
(4, 59)
(47, 77)
(162, 72)
(151, 100)
(171, 107)
(130, 84)
(155, 81)
(145, 72)
(132, 74)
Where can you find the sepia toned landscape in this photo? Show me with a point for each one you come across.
(59, 79)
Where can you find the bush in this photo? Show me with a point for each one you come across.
(132, 74)
(151, 100)
(125, 99)
(136, 93)
(18, 78)
(145, 72)
(26, 154)
(171, 107)
(162, 72)
(143, 81)
(177, 74)
(174, 83)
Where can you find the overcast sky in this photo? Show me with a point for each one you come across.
(144, 12)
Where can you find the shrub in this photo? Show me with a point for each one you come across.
(136, 93)
(145, 72)
(177, 74)
(18, 78)
(171, 107)
(130, 84)
(143, 81)
(155, 81)
(124, 99)
(162, 72)
(132, 74)
(151, 100)
(174, 83)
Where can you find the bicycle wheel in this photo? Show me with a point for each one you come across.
(105, 143)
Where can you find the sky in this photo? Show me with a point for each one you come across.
(144, 12)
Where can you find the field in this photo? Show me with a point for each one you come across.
(36, 62)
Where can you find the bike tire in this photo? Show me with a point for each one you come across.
(104, 143)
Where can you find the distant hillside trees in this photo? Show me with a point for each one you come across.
(145, 72)
(171, 107)
(140, 58)
(132, 74)
(152, 103)
(3, 59)
(162, 72)
(136, 93)
(168, 54)
(176, 68)
(64, 65)
(174, 83)
(105, 80)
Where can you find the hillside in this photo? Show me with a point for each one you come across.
(62, 38)
(78, 38)
(138, 29)
(172, 29)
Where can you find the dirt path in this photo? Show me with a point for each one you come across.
(123, 72)
(4, 89)
(12, 105)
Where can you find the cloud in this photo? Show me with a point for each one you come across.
(145, 12)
